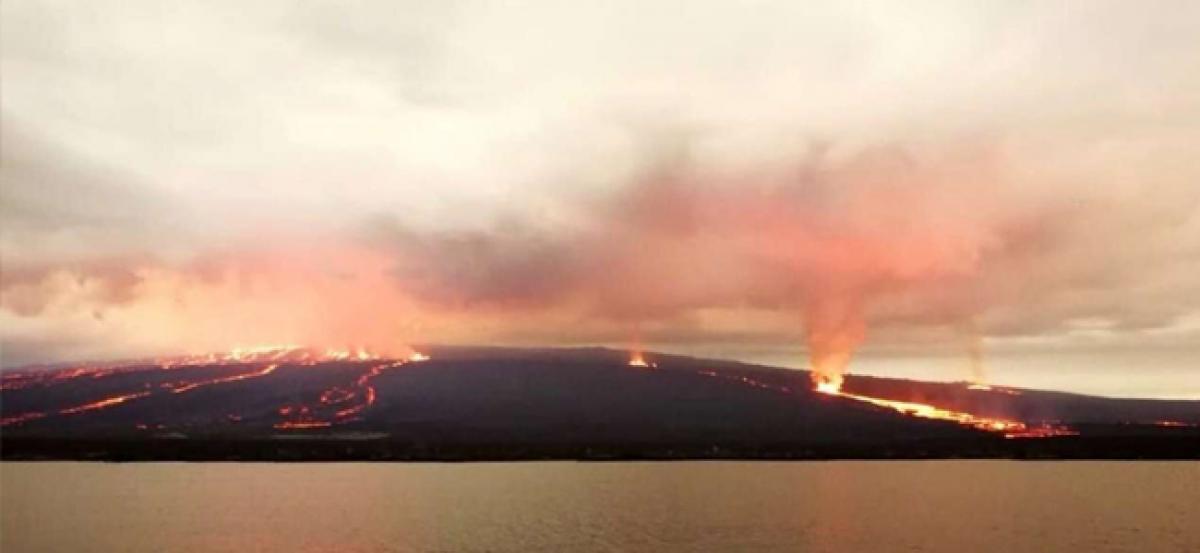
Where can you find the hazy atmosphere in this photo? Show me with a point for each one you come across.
(964, 191)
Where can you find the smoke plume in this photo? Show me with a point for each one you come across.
(855, 183)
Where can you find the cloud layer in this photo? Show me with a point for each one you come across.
(1018, 177)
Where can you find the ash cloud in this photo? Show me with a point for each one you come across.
(822, 239)
(882, 239)
(854, 178)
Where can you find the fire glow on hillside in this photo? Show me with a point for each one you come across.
(251, 363)
(339, 403)
(637, 359)
(1010, 428)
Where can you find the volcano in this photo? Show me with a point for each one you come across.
(467, 403)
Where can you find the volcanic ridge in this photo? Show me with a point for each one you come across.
(471, 403)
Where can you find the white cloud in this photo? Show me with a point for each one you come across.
(168, 133)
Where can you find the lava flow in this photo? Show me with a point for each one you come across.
(340, 404)
(122, 398)
(260, 360)
(832, 384)
(234, 378)
(107, 402)
(285, 354)
(1010, 428)
(747, 381)
(24, 379)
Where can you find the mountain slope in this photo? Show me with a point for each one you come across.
(488, 399)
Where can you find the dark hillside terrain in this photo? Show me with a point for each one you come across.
(490, 403)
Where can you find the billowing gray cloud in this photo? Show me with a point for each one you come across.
(544, 174)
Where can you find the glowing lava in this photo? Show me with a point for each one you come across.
(263, 360)
(24, 379)
(746, 380)
(1175, 424)
(979, 387)
(346, 402)
(1010, 428)
(243, 376)
(107, 402)
(636, 359)
(285, 354)
(828, 383)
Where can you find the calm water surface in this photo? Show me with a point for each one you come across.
(953, 506)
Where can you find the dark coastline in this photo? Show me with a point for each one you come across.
(1185, 446)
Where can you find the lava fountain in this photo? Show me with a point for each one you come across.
(637, 359)
(834, 328)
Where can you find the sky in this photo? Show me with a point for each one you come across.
(997, 191)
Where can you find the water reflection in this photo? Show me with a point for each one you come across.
(811, 507)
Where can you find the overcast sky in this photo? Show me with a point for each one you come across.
(944, 190)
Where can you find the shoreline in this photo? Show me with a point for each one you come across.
(1185, 446)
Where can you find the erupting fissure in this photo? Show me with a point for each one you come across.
(828, 384)
(637, 359)
(284, 354)
(1010, 428)
(835, 327)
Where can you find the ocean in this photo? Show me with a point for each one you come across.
(835, 506)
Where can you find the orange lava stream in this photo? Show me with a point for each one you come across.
(832, 386)
(104, 403)
(116, 400)
(16, 380)
(243, 376)
(1010, 428)
(271, 356)
(302, 416)
(293, 355)
(25, 379)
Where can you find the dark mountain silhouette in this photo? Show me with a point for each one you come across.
(497, 403)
